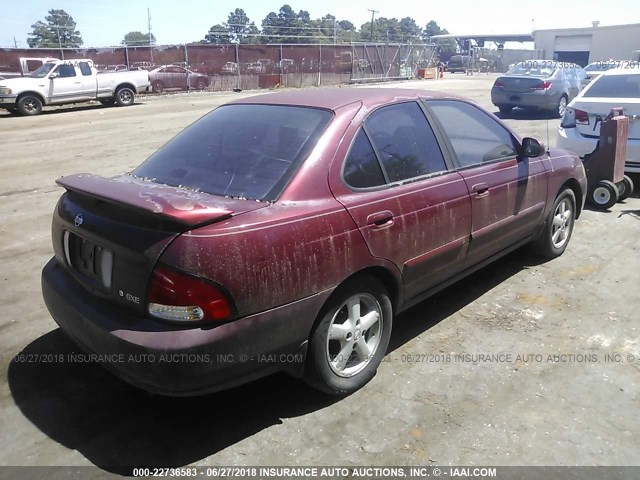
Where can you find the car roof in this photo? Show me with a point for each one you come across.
(335, 98)
(623, 71)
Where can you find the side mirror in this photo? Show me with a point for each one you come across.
(54, 75)
(531, 147)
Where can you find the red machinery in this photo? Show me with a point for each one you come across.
(605, 165)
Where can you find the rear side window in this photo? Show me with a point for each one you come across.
(475, 136)
(246, 151)
(404, 141)
(615, 86)
(361, 169)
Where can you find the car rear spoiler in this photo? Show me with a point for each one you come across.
(182, 206)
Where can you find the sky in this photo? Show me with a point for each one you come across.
(105, 22)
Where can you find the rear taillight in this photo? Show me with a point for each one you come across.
(179, 297)
(498, 84)
(573, 116)
(582, 117)
(541, 86)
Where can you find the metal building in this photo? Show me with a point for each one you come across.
(591, 44)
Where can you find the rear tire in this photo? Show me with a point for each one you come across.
(603, 195)
(351, 337)
(124, 97)
(625, 188)
(561, 107)
(29, 105)
(504, 109)
(559, 226)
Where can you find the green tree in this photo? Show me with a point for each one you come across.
(217, 35)
(241, 28)
(432, 29)
(137, 38)
(409, 30)
(58, 29)
(384, 30)
(287, 26)
(346, 31)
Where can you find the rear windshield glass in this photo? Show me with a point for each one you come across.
(615, 86)
(245, 151)
(533, 68)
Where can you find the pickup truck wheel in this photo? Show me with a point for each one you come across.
(125, 97)
(351, 337)
(559, 225)
(158, 86)
(29, 105)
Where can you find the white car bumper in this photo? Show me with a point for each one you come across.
(571, 139)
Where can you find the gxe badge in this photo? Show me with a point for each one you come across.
(79, 220)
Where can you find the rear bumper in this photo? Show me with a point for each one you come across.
(174, 360)
(538, 99)
(571, 139)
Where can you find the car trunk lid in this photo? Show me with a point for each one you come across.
(518, 83)
(599, 108)
(110, 232)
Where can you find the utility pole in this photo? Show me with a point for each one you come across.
(15, 44)
(373, 12)
(150, 46)
(59, 41)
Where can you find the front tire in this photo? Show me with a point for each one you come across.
(29, 105)
(559, 226)
(125, 97)
(351, 338)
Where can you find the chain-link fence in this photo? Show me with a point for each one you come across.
(226, 67)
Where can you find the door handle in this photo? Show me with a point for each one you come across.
(480, 189)
(380, 219)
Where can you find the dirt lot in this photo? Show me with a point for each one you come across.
(434, 400)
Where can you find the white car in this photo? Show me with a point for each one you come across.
(579, 129)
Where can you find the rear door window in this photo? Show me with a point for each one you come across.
(361, 168)
(246, 151)
(405, 142)
(615, 86)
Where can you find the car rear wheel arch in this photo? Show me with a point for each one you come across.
(372, 334)
(392, 285)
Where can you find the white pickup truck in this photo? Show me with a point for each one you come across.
(70, 81)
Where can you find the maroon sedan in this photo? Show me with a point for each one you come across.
(284, 232)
